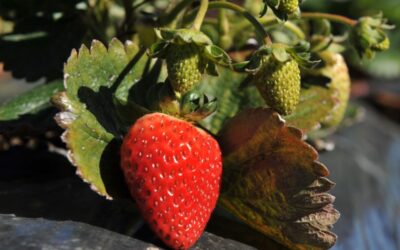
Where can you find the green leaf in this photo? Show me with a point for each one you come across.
(316, 103)
(31, 102)
(89, 115)
(273, 182)
(226, 89)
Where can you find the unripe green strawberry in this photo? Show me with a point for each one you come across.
(279, 84)
(288, 6)
(337, 70)
(173, 172)
(185, 66)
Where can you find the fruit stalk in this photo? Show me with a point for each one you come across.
(225, 40)
(330, 17)
(171, 16)
(200, 15)
(262, 33)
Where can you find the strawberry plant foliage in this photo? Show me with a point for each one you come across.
(316, 102)
(31, 102)
(205, 92)
(88, 111)
(274, 183)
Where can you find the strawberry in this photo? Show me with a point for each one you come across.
(185, 66)
(336, 69)
(279, 84)
(173, 171)
(288, 6)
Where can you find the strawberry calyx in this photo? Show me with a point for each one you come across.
(193, 106)
(281, 53)
(196, 106)
(368, 35)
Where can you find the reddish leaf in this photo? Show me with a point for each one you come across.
(274, 183)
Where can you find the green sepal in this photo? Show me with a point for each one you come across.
(195, 105)
(368, 35)
(240, 66)
(217, 55)
(301, 53)
(255, 62)
(182, 36)
(282, 53)
(158, 49)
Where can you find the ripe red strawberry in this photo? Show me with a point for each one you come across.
(173, 171)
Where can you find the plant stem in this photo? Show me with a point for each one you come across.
(223, 27)
(200, 15)
(170, 16)
(330, 17)
(223, 24)
(264, 37)
(271, 22)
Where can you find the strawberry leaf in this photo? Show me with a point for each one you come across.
(225, 89)
(98, 83)
(31, 102)
(273, 182)
(316, 104)
(316, 101)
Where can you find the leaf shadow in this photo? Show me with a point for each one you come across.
(142, 86)
(110, 172)
(101, 103)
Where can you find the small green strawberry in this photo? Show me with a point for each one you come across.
(279, 83)
(288, 6)
(189, 54)
(185, 66)
(336, 69)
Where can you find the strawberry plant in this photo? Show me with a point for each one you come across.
(182, 106)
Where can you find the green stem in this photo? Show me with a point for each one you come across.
(171, 15)
(223, 27)
(330, 17)
(223, 24)
(198, 21)
(264, 37)
(269, 22)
